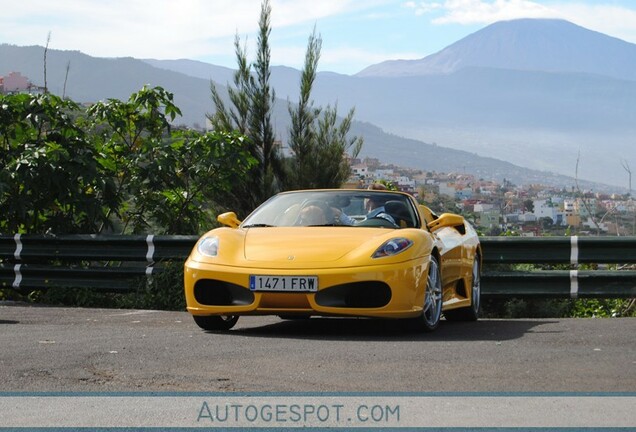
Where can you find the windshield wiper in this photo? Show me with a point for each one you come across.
(259, 225)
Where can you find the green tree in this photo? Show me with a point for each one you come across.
(302, 134)
(166, 180)
(262, 96)
(49, 178)
(185, 177)
(332, 144)
(250, 113)
(318, 143)
(117, 166)
(126, 134)
(235, 117)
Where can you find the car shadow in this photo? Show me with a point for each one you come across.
(360, 329)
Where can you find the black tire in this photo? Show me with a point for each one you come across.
(216, 322)
(470, 313)
(432, 309)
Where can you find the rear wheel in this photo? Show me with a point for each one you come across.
(216, 322)
(432, 310)
(470, 313)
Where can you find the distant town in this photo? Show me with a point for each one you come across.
(505, 208)
(494, 208)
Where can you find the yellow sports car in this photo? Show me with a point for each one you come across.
(337, 252)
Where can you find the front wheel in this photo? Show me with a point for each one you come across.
(432, 310)
(216, 322)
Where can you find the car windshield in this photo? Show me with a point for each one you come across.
(335, 208)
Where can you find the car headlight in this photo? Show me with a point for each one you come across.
(209, 246)
(392, 247)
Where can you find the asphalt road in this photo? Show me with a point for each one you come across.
(67, 349)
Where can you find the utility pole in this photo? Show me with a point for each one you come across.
(46, 49)
(629, 173)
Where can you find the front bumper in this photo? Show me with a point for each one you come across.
(388, 291)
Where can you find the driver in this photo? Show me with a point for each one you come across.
(373, 206)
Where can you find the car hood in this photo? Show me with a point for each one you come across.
(296, 246)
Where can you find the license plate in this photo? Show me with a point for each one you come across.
(284, 283)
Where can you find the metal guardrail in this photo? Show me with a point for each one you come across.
(572, 252)
(148, 248)
(112, 263)
(108, 263)
(554, 250)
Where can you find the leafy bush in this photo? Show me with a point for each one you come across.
(525, 308)
(587, 308)
(558, 308)
(162, 291)
(77, 297)
(116, 167)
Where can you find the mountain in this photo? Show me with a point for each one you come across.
(544, 45)
(501, 106)
(91, 78)
(195, 69)
(532, 92)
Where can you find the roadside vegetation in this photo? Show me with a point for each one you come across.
(116, 167)
(558, 308)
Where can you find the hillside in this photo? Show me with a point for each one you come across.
(533, 119)
(92, 78)
(538, 120)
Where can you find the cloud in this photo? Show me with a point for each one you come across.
(613, 20)
(349, 60)
(481, 11)
(618, 21)
(127, 27)
(152, 28)
(424, 8)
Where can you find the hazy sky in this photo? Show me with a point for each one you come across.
(355, 33)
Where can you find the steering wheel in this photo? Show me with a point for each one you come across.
(377, 222)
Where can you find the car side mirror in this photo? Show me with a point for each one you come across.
(447, 220)
(427, 214)
(229, 219)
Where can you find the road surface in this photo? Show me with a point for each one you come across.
(73, 349)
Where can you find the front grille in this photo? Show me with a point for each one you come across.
(371, 294)
(218, 293)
